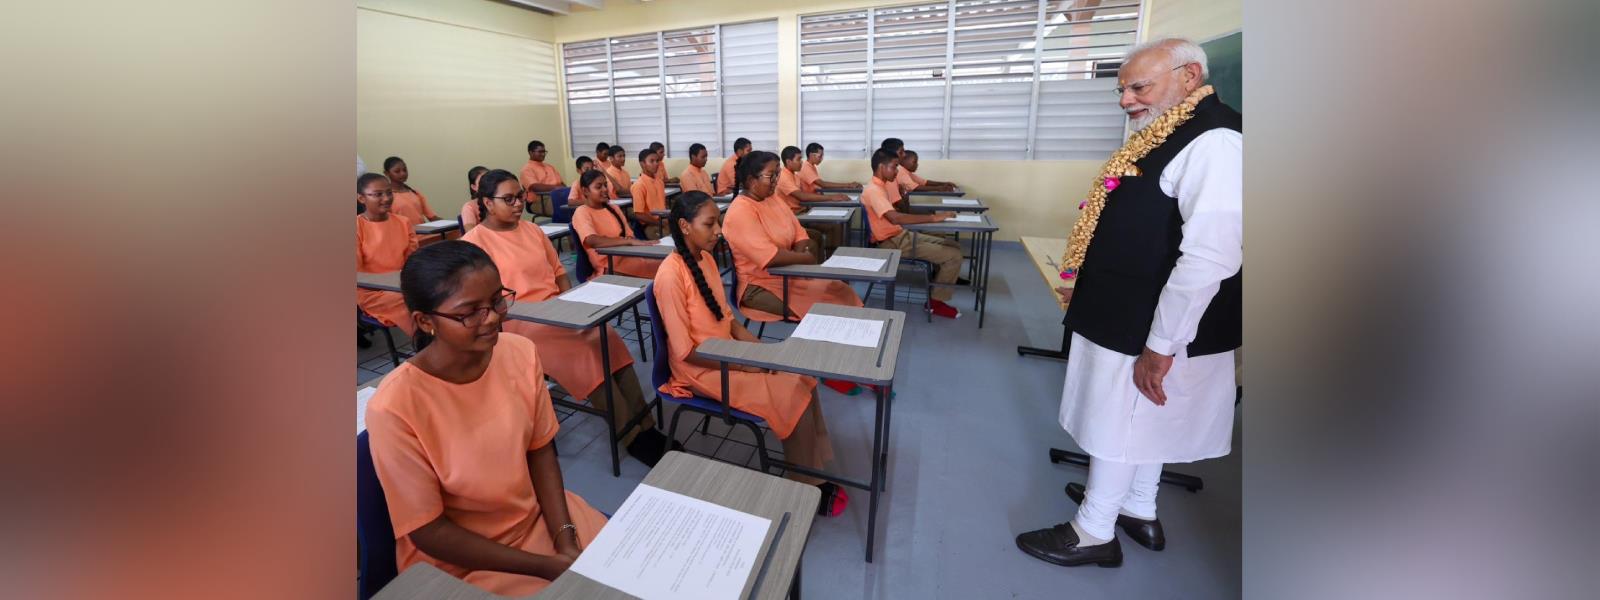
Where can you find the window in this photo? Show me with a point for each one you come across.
(994, 79)
(675, 87)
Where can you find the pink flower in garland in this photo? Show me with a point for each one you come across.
(1112, 183)
(1083, 204)
(1069, 274)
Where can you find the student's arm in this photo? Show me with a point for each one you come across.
(552, 495)
(849, 185)
(556, 268)
(938, 186)
(427, 211)
(454, 544)
(810, 197)
(645, 216)
(623, 191)
(900, 218)
(543, 188)
(600, 241)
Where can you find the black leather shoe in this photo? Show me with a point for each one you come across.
(1059, 545)
(1144, 533)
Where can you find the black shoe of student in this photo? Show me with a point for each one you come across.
(361, 341)
(963, 281)
(1144, 533)
(649, 446)
(1059, 545)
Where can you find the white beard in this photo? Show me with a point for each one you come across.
(1150, 115)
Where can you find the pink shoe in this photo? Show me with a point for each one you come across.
(944, 310)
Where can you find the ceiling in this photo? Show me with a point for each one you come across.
(560, 7)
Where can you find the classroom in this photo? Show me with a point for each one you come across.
(840, 290)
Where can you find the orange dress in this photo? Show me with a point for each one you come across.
(875, 200)
(538, 172)
(414, 206)
(382, 247)
(529, 264)
(725, 176)
(809, 177)
(788, 184)
(469, 214)
(587, 221)
(649, 194)
(780, 398)
(695, 179)
(450, 449)
(909, 179)
(616, 174)
(756, 229)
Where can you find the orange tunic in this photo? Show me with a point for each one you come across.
(414, 206)
(780, 398)
(695, 179)
(619, 175)
(809, 177)
(788, 184)
(649, 194)
(909, 179)
(587, 221)
(538, 172)
(725, 176)
(529, 264)
(875, 199)
(455, 450)
(757, 230)
(469, 214)
(382, 247)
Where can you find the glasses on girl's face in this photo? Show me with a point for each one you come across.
(511, 200)
(379, 195)
(471, 320)
(768, 177)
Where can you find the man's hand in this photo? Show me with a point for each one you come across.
(1148, 371)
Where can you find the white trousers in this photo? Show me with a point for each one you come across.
(1116, 487)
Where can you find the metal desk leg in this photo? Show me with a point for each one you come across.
(888, 409)
(794, 586)
(888, 301)
(611, 403)
(983, 290)
(877, 472)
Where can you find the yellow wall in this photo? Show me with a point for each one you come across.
(451, 84)
(1038, 198)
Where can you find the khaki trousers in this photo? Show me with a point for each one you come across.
(944, 253)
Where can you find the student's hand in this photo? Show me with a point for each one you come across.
(562, 562)
(945, 215)
(840, 198)
(1148, 371)
(567, 546)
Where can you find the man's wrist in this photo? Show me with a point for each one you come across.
(1160, 345)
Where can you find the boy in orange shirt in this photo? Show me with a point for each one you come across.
(887, 232)
(810, 180)
(649, 193)
(621, 182)
(660, 151)
(725, 176)
(909, 180)
(694, 177)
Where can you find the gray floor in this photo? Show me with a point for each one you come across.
(968, 469)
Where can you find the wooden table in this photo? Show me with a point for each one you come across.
(580, 315)
(886, 275)
(927, 204)
(853, 201)
(872, 366)
(1045, 252)
(807, 218)
(982, 243)
(776, 575)
(385, 282)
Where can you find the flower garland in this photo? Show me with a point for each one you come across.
(1121, 165)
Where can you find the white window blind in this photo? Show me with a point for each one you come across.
(978, 79)
(750, 84)
(588, 79)
(690, 57)
(636, 85)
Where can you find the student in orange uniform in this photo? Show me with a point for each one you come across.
(687, 290)
(649, 193)
(810, 180)
(383, 241)
(602, 151)
(577, 195)
(887, 233)
(469, 209)
(694, 177)
(461, 437)
(408, 203)
(539, 176)
(660, 150)
(725, 177)
(764, 233)
(621, 182)
(528, 263)
(792, 190)
(909, 180)
(601, 225)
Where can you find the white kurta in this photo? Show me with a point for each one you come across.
(1100, 406)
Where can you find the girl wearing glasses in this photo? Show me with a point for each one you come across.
(601, 225)
(686, 291)
(443, 424)
(528, 263)
(383, 241)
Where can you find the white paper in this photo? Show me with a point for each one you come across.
(439, 223)
(960, 202)
(840, 330)
(553, 230)
(829, 212)
(723, 206)
(363, 395)
(667, 241)
(664, 545)
(966, 219)
(858, 263)
(598, 293)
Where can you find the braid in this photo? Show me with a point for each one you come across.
(689, 204)
(617, 214)
(738, 170)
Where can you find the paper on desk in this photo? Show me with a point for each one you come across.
(595, 292)
(966, 219)
(840, 330)
(829, 212)
(858, 263)
(961, 201)
(439, 223)
(553, 229)
(664, 545)
(363, 395)
(667, 241)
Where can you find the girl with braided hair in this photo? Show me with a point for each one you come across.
(687, 289)
(601, 225)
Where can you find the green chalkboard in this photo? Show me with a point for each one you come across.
(1224, 57)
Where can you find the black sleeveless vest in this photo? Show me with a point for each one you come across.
(1135, 247)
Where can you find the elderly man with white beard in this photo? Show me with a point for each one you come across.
(1155, 310)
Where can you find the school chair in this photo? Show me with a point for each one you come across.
(558, 202)
(925, 265)
(367, 323)
(661, 371)
(733, 300)
(582, 270)
(374, 532)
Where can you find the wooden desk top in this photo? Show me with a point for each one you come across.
(1045, 252)
(957, 193)
(891, 267)
(655, 251)
(722, 206)
(735, 487)
(955, 226)
(388, 282)
(579, 315)
(426, 229)
(622, 202)
(856, 189)
(853, 202)
(928, 204)
(821, 359)
(807, 217)
(555, 230)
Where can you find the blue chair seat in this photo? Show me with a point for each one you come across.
(707, 404)
(374, 531)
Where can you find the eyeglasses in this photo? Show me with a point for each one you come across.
(1140, 87)
(379, 195)
(501, 305)
(768, 178)
(511, 200)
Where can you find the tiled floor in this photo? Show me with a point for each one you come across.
(968, 469)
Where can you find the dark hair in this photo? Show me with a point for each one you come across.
(533, 145)
(882, 155)
(434, 272)
(893, 144)
(687, 205)
(644, 153)
(813, 148)
(588, 178)
(366, 179)
(696, 148)
(741, 144)
(581, 160)
(911, 154)
(389, 163)
(750, 166)
(790, 152)
(486, 187)
(654, 146)
(615, 150)
(472, 174)
(600, 148)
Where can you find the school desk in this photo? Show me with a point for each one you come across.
(978, 270)
(886, 275)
